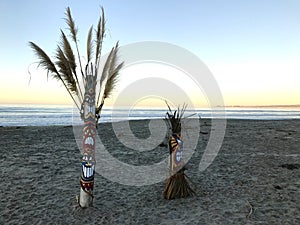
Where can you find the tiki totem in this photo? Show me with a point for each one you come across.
(88, 143)
(177, 185)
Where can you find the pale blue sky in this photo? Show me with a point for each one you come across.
(232, 37)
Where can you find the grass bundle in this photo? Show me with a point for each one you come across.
(177, 185)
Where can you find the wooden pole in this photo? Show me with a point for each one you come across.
(88, 144)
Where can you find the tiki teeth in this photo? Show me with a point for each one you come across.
(88, 172)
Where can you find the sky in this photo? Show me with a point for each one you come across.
(251, 47)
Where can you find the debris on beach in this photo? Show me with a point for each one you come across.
(291, 166)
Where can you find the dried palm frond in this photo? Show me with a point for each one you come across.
(71, 24)
(104, 77)
(100, 36)
(46, 63)
(66, 46)
(109, 78)
(111, 81)
(182, 111)
(66, 71)
(113, 72)
(110, 85)
(105, 72)
(174, 118)
(67, 49)
(73, 30)
(89, 45)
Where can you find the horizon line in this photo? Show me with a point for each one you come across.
(225, 106)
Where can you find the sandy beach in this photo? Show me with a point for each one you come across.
(255, 178)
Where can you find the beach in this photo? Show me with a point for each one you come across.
(254, 179)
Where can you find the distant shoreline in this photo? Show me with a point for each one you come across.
(264, 106)
(52, 115)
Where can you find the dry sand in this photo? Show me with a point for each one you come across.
(255, 179)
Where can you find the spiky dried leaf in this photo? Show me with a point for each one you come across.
(66, 71)
(174, 118)
(104, 76)
(89, 45)
(71, 24)
(112, 81)
(100, 35)
(66, 46)
(44, 60)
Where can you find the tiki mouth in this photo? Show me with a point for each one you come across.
(88, 170)
(89, 141)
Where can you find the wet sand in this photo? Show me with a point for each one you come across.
(255, 178)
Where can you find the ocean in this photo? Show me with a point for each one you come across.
(46, 115)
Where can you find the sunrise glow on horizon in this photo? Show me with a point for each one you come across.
(252, 48)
